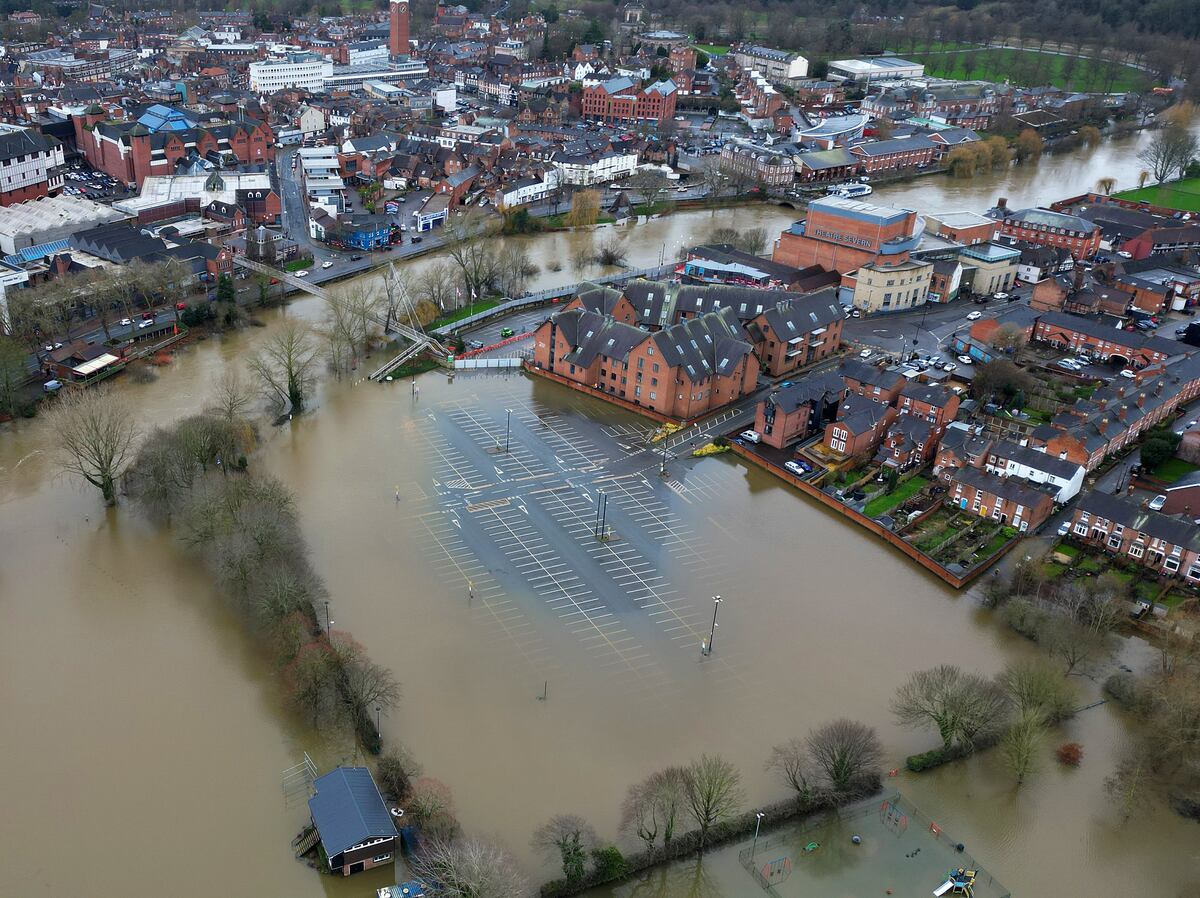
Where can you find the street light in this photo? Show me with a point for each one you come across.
(757, 824)
(377, 720)
(327, 615)
(507, 427)
(712, 632)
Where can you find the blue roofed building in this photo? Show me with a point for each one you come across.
(354, 824)
(165, 118)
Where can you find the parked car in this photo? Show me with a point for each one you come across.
(866, 353)
(966, 360)
(1128, 372)
(302, 273)
(974, 316)
(416, 239)
(143, 324)
(52, 386)
(475, 344)
(1064, 528)
(855, 313)
(357, 257)
(949, 366)
(1004, 297)
(1066, 366)
(750, 436)
(126, 322)
(1157, 503)
(799, 467)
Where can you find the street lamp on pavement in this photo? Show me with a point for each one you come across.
(757, 824)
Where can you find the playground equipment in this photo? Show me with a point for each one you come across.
(958, 882)
(891, 816)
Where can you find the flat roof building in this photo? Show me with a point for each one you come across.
(875, 68)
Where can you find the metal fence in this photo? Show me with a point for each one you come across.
(544, 296)
(878, 806)
(473, 364)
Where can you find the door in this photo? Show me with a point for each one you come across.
(356, 867)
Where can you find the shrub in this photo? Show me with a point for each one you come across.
(927, 760)
(1070, 753)
(609, 862)
(1024, 617)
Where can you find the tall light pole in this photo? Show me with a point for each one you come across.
(377, 720)
(713, 631)
(327, 616)
(507, 428)
(757, 824)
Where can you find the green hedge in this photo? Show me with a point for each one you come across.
(927, 760)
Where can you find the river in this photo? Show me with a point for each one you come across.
(144, 739)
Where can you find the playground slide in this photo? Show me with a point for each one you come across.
(943, 888)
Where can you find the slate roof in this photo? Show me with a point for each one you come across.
(1132, 516)
(798, 315)
(348, 810)
(933, 394)
(1013, 489)
(601, 300)
(21, 143)
(1033, 458)
(1092, 328)
(708, 345)
(859, 414)
(824, 386)
(856, 369)
(1053, 220)
(592, 335)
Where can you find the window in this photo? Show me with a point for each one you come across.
(380, 858)
(1137, 550)
(1171, 564)
(653, 395)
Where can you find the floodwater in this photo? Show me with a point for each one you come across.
(143, 740)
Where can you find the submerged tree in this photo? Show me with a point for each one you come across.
(712, 792)
(651, 808)
(286, 365)
(960, 705)
(568, 837)
(846, 751)
(468, 868)
(96, 434)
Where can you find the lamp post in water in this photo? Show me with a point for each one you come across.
(706, 648)
(757, 824)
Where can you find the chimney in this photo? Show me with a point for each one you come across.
(1002, 202)
(1103, 425)
(1141, 400)
(1122, 411)
(1078, 277)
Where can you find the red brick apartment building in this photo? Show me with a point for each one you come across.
(131, 152)
(932, 403)
(797, 332)
(620, 100)
(861, 425)
(682, 371)
(30, 166)
(795, 412)
(1009, 500)
(1080, 237)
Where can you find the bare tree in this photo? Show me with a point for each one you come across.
(365, 684)
(568, 837)
(1020, 744)
(1034, 686)
(846, 751)
(960, 705)
(710, 175)
(436, 285)
(96, 434)
(467, 246)
(712, 792)
(791, 763)
(1072, 643)
(1129, 782)
(1170, 150)
(652, 186)
(286, 365)
(651, 807)
(514, 268)
(469, 868)
(13, 374)
(396, 771)
(231, 396)
(431, 806)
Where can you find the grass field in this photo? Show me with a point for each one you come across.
(888, 501)
(1023, 67)
(1182, 195)
(712, 49)
(1174, 468)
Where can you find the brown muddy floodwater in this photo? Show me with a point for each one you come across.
(143, 743)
